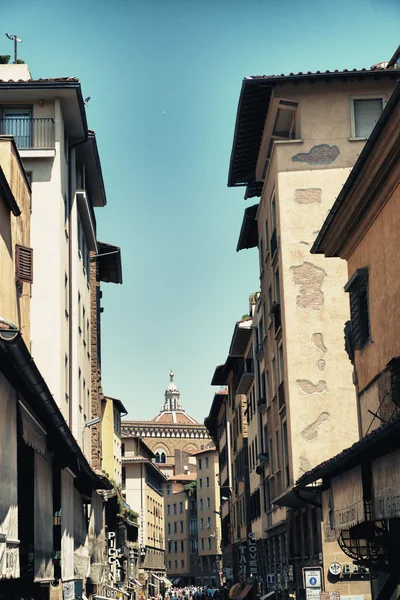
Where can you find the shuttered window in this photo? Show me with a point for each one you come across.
(366, 114)
(359, 309)
(23, 263)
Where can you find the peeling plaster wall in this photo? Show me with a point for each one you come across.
(322, 403)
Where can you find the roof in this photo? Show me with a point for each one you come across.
(141, 460)
(320, 245)
(174, 417)
(211, 420)
(379, 442)
(7, 195)
(209, 449)
(109, 261)
(241, 337)
(182, 477)
(68, 90)
(88, 153)
(252, 110)
(118, 404)
(221, 372)
(248, 237)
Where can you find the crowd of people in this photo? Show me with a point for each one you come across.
(193, 593)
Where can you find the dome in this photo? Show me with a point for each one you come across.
(173, 413)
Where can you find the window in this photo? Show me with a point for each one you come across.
(181, 507)
(122, 449)
(182, 564)
(207, 482)
(123, 474)
(175, 527)
(168, 489)
(202, 543)
(79, 314)
(169, 546)
(365, 113)
(200, 483)
(66, 210)
(199, 464)
(174, 509)
(271, 457)
(66, 296)
(209, 543)
(181, 526)
(285, 451)
(278, 454)
(66, 375)
(169, 528)
(160, 457)
(17, 122)
(182, 546)
(23, 264)
(170, 564)
(206, 460)
(176, 564)
(208, 522)
(201, 503)
(208, 502)
(281, 363)
(201, 523)
(175, 546)
(357, 286)
(261, 254)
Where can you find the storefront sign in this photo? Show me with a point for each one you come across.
(113, 558)
(329, 595)
(271, 581)
(312, 582)
(253, 555)
(335, 569)
(242, 562)
(348, 501)
(386, 486)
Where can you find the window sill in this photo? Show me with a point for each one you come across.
(357, 139)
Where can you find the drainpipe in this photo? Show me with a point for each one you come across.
(70, 348)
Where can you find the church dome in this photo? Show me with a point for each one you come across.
(173, 412)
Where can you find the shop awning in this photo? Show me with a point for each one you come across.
(386, 486)
(166, 581)
(157, 577)
(235, 590)
(137, 582)
(245, 591)
(268, 595)
(348, 502)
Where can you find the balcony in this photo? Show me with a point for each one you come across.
(281, 395)
(33, 137)
(273, 244)
(244, 375)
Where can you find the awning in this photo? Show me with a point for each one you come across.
(348, 501)
(268, 595)
(156, 577)
(109, 261)
(137, 582)
(245, 591)
(386, 486)
(166, 581)
(152, 584)
(235, 590)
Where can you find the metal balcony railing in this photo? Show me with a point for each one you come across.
(29, 133)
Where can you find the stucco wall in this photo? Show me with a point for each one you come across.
(378, 250)
(14, 299)
(318, 374)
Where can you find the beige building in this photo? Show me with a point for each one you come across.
(112, 411)
(176, 516)
(209, 517)
(142, 483)
(173, 435)
(294, 146)
(48, 121)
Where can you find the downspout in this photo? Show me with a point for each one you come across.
(70, 347)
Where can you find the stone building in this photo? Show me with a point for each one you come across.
(173, 435)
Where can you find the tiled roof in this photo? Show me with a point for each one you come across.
(174, 417)
(252, 111)
(41, 80)
(210, 448)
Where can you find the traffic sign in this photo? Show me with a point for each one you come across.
(312, 578)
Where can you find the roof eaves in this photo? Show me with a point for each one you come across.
(7, 195)
(317, 247)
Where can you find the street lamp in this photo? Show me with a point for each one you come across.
(16, 40)
(90, 423)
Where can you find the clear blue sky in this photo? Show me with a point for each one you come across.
(164, 78)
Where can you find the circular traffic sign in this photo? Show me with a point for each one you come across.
(313, 581)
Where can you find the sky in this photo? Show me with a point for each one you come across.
(164, 78)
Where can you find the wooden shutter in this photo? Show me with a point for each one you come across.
(23, 263)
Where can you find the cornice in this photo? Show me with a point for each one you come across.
(146, 429)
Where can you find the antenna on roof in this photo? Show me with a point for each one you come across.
(15, 39)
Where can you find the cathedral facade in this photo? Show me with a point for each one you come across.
(172, 434)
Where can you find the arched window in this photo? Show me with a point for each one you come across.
(161, 457)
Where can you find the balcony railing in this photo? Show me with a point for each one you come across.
(244, 375)
(29, 133)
